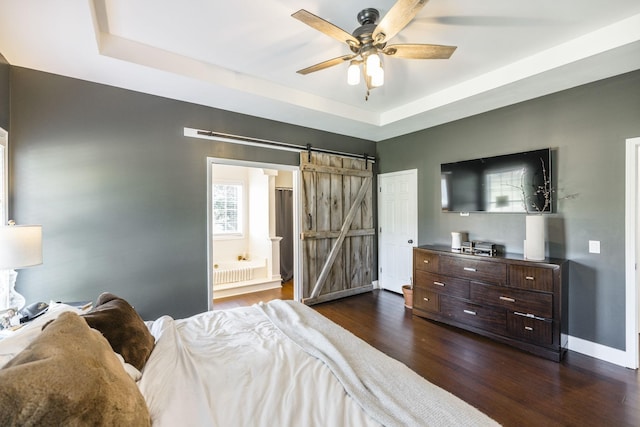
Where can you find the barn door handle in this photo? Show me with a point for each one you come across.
(310, 221)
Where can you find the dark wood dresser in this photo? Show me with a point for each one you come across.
(507, 298)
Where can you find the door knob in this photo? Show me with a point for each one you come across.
(410, 241)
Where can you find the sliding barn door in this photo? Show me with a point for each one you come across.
(337, 226)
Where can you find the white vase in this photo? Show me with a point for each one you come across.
(535, 233)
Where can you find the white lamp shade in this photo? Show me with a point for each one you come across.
(20, 246)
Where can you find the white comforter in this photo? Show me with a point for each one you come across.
(283, 364)
(235, 368)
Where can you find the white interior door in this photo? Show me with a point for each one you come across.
(397, 228)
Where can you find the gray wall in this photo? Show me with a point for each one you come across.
(4, 93)
(121, 194)
(587, 127)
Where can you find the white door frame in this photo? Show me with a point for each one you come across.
(297, 271)
(4, 180)
(632, 211)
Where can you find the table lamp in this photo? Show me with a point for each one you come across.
(20, 246)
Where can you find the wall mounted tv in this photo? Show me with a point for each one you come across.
(498, 184)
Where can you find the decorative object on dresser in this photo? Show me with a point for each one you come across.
(479, 248)
(20, 246)
(506, 298)
(535, 241)
(535, 224)
(457, 237)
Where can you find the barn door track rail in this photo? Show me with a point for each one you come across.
(265, 143)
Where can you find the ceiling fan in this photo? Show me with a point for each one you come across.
(369, 40)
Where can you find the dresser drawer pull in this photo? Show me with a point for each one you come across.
(439, 284)
(531, 316)
(530, 278)
(470, 269)
(528, 328)
(426, 261)
(473, 313)
(507, 299)
(426, 299)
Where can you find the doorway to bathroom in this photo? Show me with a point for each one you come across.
(251, 221)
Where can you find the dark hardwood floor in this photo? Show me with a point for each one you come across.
(511, 386)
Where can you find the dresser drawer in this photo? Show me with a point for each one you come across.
(426, 261)
(487, 318)
(442, 284)
(474, 269)
(425, 300)
(534, 278)
(538, 331)
(537, 303)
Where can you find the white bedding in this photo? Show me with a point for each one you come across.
(235, 368)
(275, 364)
(283, 364)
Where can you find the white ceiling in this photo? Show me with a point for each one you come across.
(242, 55)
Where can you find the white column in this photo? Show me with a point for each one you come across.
(273, 269)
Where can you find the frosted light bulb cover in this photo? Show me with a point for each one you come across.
(377, 79)
(353, 74)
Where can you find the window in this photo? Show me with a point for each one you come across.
(227, 209)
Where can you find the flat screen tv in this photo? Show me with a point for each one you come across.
(519, 182)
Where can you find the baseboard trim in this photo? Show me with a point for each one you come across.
(599, 351)
(257, 285)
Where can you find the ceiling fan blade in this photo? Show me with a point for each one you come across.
(396, 19)
(419, 51)
(326, 64)
(325, 27)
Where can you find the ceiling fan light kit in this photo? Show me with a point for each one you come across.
(353, 73)
(369, 40)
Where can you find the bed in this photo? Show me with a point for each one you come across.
(278, 364)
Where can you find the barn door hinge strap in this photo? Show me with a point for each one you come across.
(366, 161)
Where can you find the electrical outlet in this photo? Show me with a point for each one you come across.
(594, 246)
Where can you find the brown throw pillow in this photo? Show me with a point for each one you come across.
(69, 375)
(123, 327)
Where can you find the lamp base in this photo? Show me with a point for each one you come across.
(9, 297)
(15, 299)
(10, 300)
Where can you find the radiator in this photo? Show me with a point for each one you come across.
(239, 274)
